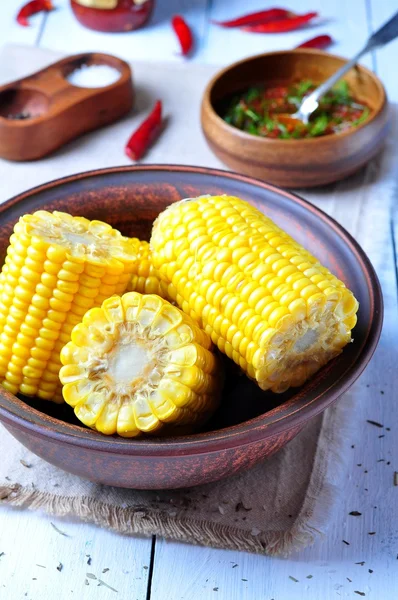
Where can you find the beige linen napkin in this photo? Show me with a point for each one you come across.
(276, 507)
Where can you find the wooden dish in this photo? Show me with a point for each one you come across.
(59, 110)
(294, 163)
(250, 424)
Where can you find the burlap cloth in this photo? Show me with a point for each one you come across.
(276, 507)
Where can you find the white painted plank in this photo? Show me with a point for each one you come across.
(345, 21)
(380, 12)
(28, 540)
(11, 31)
(155, 41)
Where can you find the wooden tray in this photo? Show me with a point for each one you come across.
(59, 111)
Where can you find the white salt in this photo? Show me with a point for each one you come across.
(93, 76)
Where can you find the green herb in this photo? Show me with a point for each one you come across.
(340, 93)
(303, 87)
(319, 125)
(252, 115)
(252, 94)
(293, 579)
(361, 119)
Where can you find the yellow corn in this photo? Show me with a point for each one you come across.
(145, 279)
(57, 267)
(138, 364)
(265, 301)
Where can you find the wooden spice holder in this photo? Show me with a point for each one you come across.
(59, 111)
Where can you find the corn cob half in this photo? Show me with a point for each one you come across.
(138, 364)
(57, 267)
(145, 279)
(265, 301)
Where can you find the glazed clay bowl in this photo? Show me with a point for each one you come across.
(250, 424)
(293, 163)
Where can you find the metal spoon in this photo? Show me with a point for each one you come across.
(385, 34)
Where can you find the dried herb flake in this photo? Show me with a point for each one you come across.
(100, 582)
(355, 513)
(293, 579)
(395, 477)
(25, 464)
(346, 543)
(241, 506)
(360, 563)
(60, 567)
(371, 532)
(58, 530)
(370, 570)
(90, 576)
(41, 566)
(375, 423)
(348, 579)
(89, 559)
(309, 576)
(105, 570)
(359, 593)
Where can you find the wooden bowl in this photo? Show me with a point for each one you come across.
(59, 111)
(294, 163)
(250, 424)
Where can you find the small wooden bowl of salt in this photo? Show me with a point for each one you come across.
(43, 111)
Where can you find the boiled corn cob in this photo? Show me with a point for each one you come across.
(265, 301)
(138, 364)
(145, 278)
(57, 267)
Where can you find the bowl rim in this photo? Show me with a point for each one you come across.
(15, 412)
(234, 131)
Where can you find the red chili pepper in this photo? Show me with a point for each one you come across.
(184, 34)
(31, 8)
(320, 41)
(146, 133)
(289, 24)
(263, 16)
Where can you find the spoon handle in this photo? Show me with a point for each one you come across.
(385, 34)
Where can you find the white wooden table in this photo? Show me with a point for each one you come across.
(142, 568)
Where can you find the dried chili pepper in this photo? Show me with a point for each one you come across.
(31, 8)
(146, 133)
(184, 34)
(262, 16)
(320, 41)
(282, 25)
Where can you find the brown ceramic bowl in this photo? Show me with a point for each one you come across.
(250, 424)
(293, 163)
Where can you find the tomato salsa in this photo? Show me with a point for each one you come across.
(265, 111)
